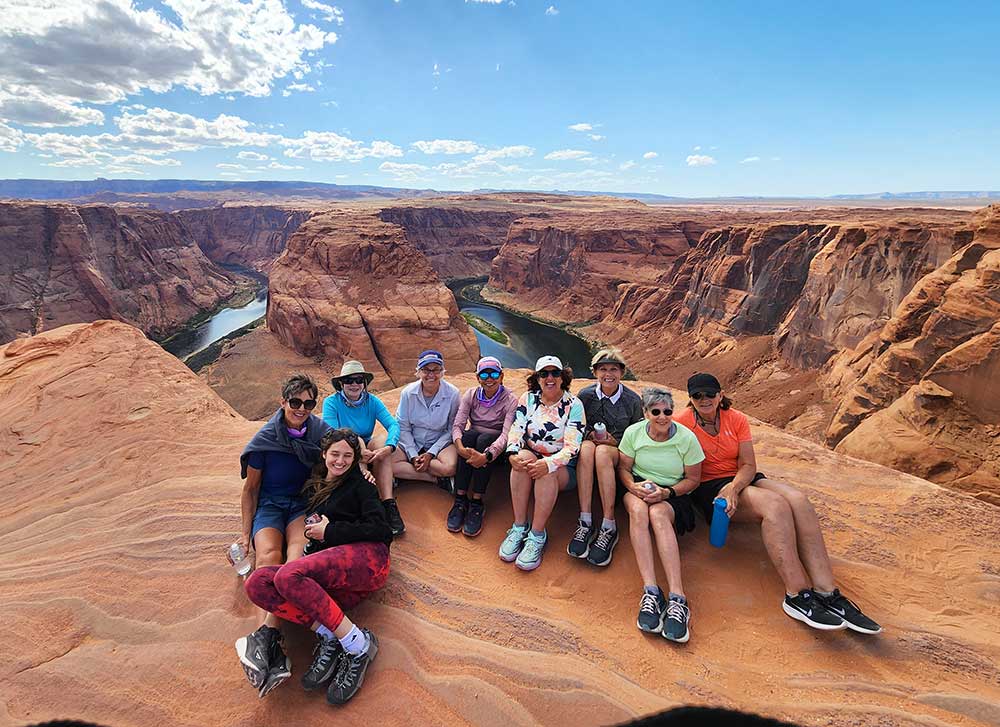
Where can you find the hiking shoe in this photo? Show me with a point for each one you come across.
(447, 484)
(652, 609)
(456, 516)
(530, 556)
(602, 547)
(579, 546)
(350, 673)
(326, 658)
(675, 625)
(807, 608)
(396, 523)
(254, 651)
(474, 518)
(848, 610)
(511, 546)
(276, 675)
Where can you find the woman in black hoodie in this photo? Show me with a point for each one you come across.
(348, 560)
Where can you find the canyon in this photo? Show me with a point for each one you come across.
(123, 609)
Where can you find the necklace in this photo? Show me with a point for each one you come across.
(716, 424)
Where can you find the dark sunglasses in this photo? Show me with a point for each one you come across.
(489, 375)
(298, 403)
(699, 395)
(353, 380)
(546, 373)
(657, 412)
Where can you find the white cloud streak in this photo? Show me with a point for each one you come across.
(446, 146)
(750, 160)
(650, 155)
(329, 13)
(567, 154)
(700, 160)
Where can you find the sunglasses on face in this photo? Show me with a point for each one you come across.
(656, 412)
(353, 380)
(546, 373)
(489, 375)
(308, 404)
(699, 395)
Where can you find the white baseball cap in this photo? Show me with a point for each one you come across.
(548, 361)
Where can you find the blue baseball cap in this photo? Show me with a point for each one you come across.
(429, 357)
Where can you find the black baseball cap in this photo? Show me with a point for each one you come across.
(704, 382)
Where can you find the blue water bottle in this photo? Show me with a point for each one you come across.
(720, 523)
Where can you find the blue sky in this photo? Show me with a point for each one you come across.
(693, 99)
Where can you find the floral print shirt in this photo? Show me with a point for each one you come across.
(555, 431)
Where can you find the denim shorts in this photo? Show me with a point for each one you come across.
(277, 511)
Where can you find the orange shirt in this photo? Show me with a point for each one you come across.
(722, 452)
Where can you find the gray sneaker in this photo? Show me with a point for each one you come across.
(530, 556)
(511, 546)
(603, 547)
(675, 625)
(579, 545)
(652, 608)
(350, 674)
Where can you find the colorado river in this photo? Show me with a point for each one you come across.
(193, 340)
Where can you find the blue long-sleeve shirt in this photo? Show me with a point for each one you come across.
(360, 419)
(426, 425)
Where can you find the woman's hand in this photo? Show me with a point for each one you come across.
(368, 476)
(422, 461)
(518, 462)
(367, 455)
(537, 469)
(657, 494)
(244, 541)
(732, 498)
(381, 453)
(316, 531)
(476, 459)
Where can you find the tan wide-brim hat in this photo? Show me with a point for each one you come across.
(608, 356)
(351, 368)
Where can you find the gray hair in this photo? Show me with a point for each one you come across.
(654, 395)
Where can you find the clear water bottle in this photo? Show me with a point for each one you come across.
(720, 523)
(650, 486)
(239, 559)
(600, 432)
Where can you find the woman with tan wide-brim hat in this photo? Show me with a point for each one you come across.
(357, 409)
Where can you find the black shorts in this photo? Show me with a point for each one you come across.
(708, 490)
(683, 506)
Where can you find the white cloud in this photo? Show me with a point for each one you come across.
(329, 13)
(303, 87)
(328, 146)
(697, 148)
(749, 160)
(404, 172)
(446, 146)
(279, 165)
(650, 155)
(596, 137)
(10, 139)
(507, 152)
(436, 71)
(700, 160)
(227, 165)
(582, 126)
(59, 58)
(551, 10)
(565, 154)
(330, 103)
(171, 131)
(478, 166)
(625, 166)
(498, 66)
(253, 156)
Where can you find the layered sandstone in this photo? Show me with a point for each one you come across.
(458, 242)
(251, 236)
(123, 610)
(62, 263)
(352, 286)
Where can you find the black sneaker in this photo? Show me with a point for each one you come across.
(474, 518)
(675, 625)
(326, 658)
(602, 547)
(280, 666)
(456, 516)
(254, 651)
(396, 523)
(848, 610)
(652, 609)
(350, 674)
(447, 484)
(579, 546)
(806, 607)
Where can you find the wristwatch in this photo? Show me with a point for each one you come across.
(672, 494)
(489, 456)
(391, 446)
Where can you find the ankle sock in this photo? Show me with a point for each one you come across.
(825, 594)
(677, 597)
(653, 590)
(355, 643)
(324, 632)
(608, 525)
(586, 518)
(538, 533)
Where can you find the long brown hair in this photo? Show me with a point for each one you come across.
(566, 375)
(317, 489)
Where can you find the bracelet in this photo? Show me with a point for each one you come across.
(489, 456)
(392, 447)
(673, 493)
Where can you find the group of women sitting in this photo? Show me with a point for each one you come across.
(339, 473)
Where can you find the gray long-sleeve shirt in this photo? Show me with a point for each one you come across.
(426, 425)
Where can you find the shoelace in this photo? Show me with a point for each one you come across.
(533, 548)
(514, 535)
(677, 611)
(604, 539)
(839, 600)
(346, 671)
(323, 652)
(581, 532)
(649, 604)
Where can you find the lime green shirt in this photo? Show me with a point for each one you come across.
(661, 462)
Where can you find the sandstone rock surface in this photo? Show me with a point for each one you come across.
(62, 263)
(122, 490)
(352, 286)
(252, 236)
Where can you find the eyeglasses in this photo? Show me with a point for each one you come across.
(546, 373)
(664, 412)
(483, 375)
(297, 403)
(428, 370)
(699, 395)
(353, 380)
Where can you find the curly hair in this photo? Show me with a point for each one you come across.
(317, 488)
(566, 376)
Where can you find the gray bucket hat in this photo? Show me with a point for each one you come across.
(351, 368)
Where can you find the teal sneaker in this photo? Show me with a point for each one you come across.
(531, 554)
(512, 544)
